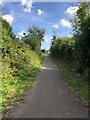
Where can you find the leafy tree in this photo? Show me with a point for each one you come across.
(77, 48)
(6, 25)
(34, 38)
(81, 31)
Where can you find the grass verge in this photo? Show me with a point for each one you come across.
(16, 82)
(18, 90)
(73, 81)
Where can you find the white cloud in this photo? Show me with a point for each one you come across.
(27, 4)
(9, 18)
(40, 12)
(55, 26)
(20, 34)
(23, 2)
(46, 40)
(70, 12)
(69, 35)
(1, 2)
(65, 23)
(27, 10)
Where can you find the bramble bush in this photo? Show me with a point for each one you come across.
(20, 65)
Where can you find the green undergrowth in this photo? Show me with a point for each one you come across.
(73, 81)
(20, 66)
(15, 81)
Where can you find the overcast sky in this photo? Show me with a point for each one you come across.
(52, 16)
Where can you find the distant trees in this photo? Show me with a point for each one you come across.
(44, 51)
(34, 38)
(77, 48)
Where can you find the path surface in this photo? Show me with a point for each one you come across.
(49, 97)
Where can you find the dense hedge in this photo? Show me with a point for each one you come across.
(63, 48)
(77, 49)
(19, 65)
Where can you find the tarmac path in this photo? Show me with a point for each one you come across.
(49, 97)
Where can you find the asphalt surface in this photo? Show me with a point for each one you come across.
(49, 97)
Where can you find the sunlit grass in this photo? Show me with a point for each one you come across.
(13, 92)
(16, 81)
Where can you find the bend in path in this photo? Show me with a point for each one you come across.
(49, 97)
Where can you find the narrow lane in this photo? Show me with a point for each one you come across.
(49, 97)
